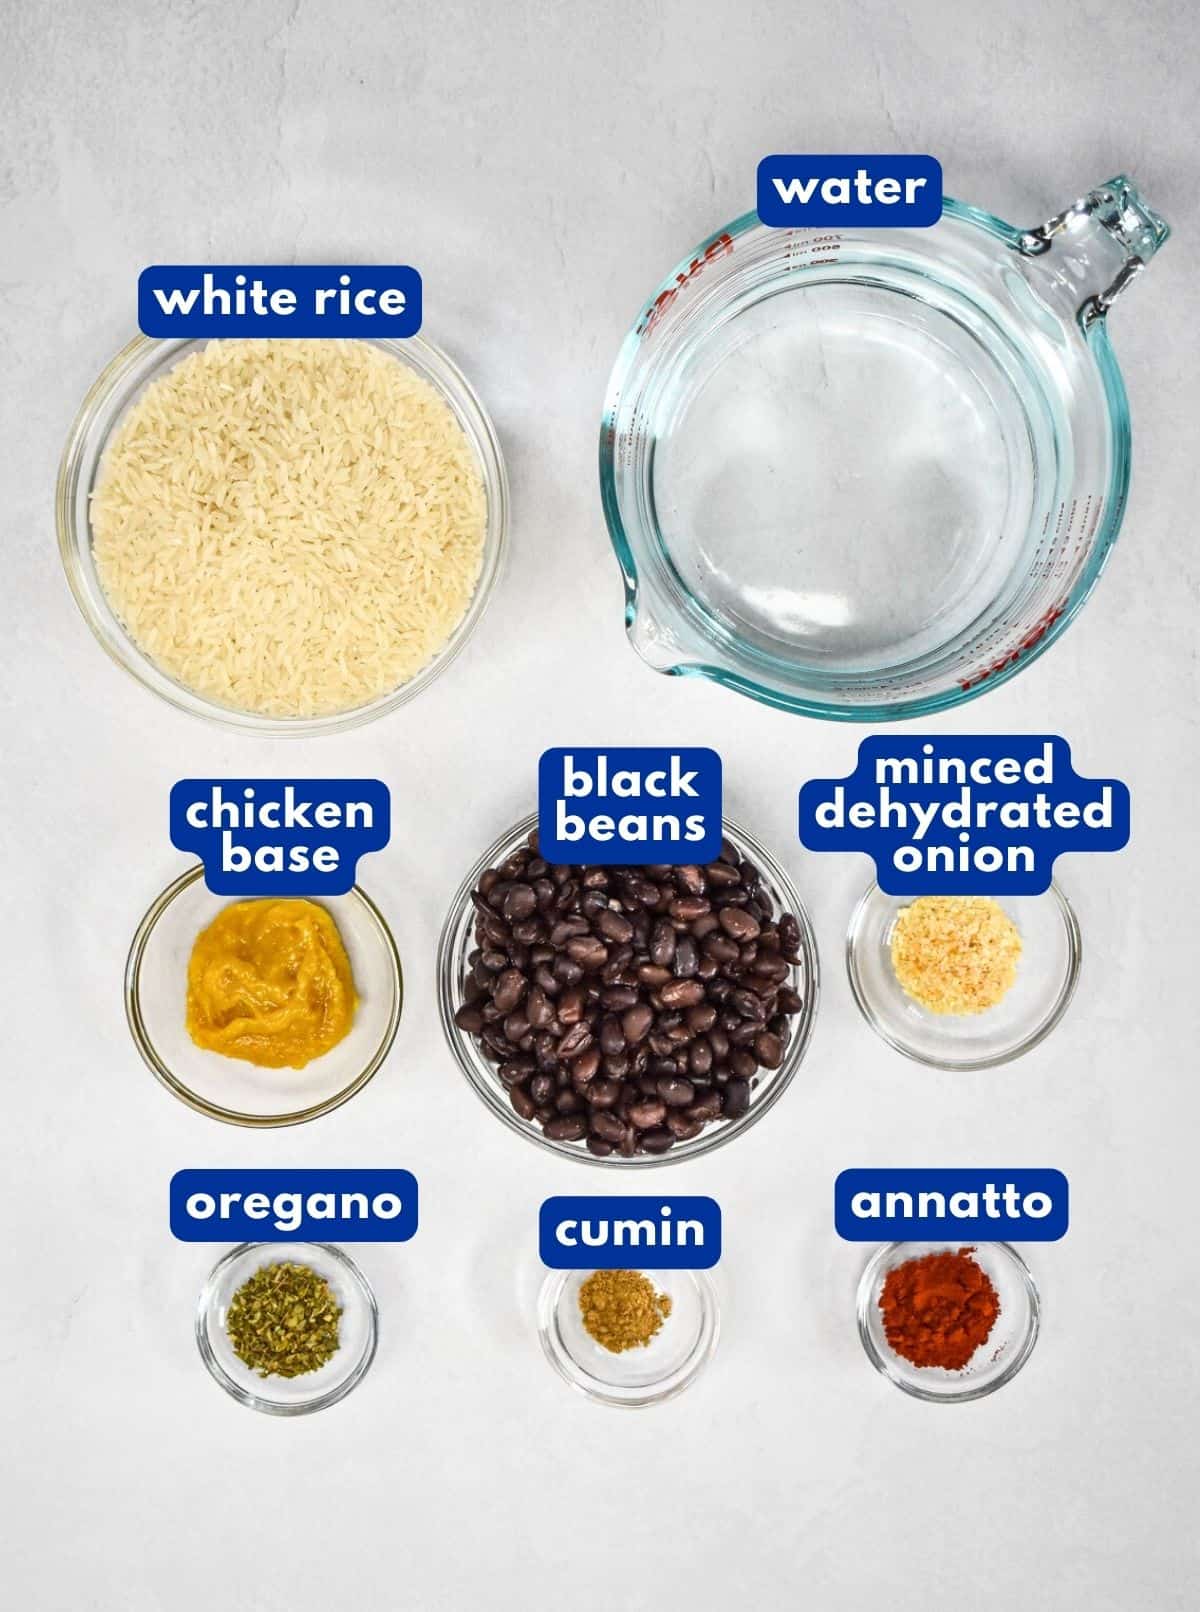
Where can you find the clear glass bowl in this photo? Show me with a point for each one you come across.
(997, 1360)
(458, 940)
(110, 398)
(636, 1378)
(358, 1329)
(230, 1089)
(1048, 972)
(868, 474)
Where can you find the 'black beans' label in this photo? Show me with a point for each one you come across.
(629, 806)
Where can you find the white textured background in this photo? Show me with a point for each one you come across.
(543, 165)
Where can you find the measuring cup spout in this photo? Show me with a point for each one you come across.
(1097, 247)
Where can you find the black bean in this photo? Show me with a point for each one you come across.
(588, 952)
(676, 1093)
(614, 926)
(607, 1125)
(510, 988)
(577, 1039)
(612, 1037)
(522, 1102)
(658, 1140)
(687, 958)
(646, 1114)
(737, 1099)
(519, 902)
(681, 1127)
(769, 1049)
(538, 1008)
(585, 1067)
(516, 1027)
(566, 1128)
(738, 924)
(542, 1089)
(662, 943)
(682, 993)
(707, 1106)
(636, 1022)
(470, 1019)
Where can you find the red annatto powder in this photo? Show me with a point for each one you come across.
(937, 1310)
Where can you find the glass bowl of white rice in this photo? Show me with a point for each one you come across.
(285, 536)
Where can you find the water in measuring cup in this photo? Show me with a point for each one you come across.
(843, 477)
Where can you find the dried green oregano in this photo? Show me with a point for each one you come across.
(283, 1321)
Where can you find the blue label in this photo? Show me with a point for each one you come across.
(878, 192)
(280, 836)
(608, 1234)
(303, 1206)
(205, 299)
(629, 806)
(964, 816)
(871, 1206)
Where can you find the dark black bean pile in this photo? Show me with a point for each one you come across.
(629, 1007)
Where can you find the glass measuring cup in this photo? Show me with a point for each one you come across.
(867, 475)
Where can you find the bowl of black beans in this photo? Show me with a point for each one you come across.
(627, 1015)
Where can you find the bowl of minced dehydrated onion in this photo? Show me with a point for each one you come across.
(284, 535)
(963, 982)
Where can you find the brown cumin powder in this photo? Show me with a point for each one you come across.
(622, 1309)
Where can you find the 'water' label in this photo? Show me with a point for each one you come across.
(321, 1206)
(964, 815)
(629, 805)
(880, 192)
(608, 1234)
(871, 1206)
(280, 836)
(198, 299)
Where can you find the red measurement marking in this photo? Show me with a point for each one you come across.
(721, 247)
(1034, 636)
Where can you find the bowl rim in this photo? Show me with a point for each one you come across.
(966, 1065)
(231, 1116)
(866, 1297)
(96, 412)
(713, 1136)
(649, 1394)
(274, 1407)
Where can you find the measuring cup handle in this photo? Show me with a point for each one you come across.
(1102, 241)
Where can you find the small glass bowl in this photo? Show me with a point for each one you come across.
(358, 1329)
(1051, 948)
(664, 1367)
(458, 940)
(110, 398)
(230, 1089)
(997, 1360)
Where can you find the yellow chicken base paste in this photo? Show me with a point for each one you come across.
(270, 982)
